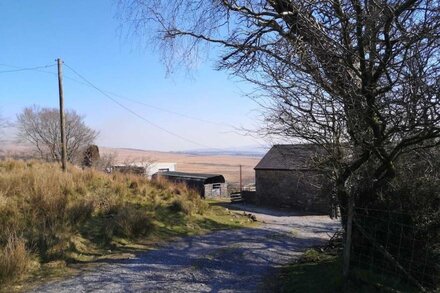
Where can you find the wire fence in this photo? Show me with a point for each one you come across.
(390, 246)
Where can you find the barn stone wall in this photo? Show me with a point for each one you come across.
(211, 192)
(299, 190)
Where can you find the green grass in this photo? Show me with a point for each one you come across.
(314, 272)
(318, 271)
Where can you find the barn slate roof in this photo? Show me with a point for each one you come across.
(289, 157)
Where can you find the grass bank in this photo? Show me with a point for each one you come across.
(49, 218)
(321, 271)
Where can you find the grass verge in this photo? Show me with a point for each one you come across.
(321, 271)
(313, 272)
(51, 221)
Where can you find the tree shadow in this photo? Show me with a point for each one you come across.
(275, 212)
(224, 260)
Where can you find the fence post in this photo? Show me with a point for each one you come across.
(348, 233)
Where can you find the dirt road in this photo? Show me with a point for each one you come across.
(223, 261)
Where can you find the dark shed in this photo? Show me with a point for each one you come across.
(207, 185)
(287, 177)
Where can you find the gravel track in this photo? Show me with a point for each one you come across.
(222, 261)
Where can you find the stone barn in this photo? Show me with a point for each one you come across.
(285, 177)
(207, 185)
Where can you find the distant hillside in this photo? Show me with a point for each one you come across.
(223, 161)
(196, 162)
(247, 151)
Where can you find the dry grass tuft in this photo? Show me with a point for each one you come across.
(14, 258)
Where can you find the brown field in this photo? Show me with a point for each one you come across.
(228, 166)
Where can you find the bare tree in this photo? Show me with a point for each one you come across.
(41, 128)
(106, 162)
(359, 78)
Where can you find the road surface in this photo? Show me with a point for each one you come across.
(222, 261)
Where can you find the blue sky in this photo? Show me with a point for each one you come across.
(86, 35)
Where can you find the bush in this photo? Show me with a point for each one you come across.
(127, 221)
(410, 202)
(132, 222)
(189, 204)
(80, 211)
(180, 206)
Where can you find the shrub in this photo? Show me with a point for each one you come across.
(410, 202)
(81, 210)
(199, 206)
(132, 222)
(127, 221)
(178, 205)
(189, 203)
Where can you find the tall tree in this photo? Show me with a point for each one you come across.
(359, 78)
(41, 127)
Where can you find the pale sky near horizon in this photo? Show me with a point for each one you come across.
(86, 35)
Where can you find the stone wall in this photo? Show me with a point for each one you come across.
(211, 192)
(292, 189)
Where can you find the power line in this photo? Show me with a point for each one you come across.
(133, 112)
(25, 69)
(171, 112)
(44, 71)
(120, 96)
(156, 107)
(108, 95)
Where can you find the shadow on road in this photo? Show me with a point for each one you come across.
(236, 260)
(275, 212)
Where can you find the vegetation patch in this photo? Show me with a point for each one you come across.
(319, 270)
(313, 272)
(48, 217)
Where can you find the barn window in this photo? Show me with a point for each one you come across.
(216, 186)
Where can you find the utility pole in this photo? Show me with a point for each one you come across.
(241, 181)
(62, 119)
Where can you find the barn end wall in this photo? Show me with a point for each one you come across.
(298, 190)
(211, 192)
